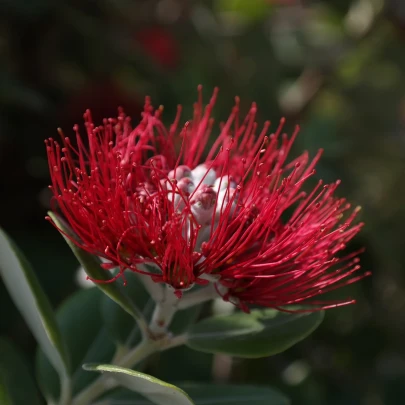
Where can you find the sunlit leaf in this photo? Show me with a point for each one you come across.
(157, 391)
(33, 304)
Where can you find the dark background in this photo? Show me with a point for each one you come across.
(335, 67)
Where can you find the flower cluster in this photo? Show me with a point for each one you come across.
(159, 202)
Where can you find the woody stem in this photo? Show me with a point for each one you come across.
(163, 313)
(198, 297)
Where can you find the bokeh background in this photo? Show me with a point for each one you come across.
(336, 67)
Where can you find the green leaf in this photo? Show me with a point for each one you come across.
(184, 318)
(228, 394)
(91, 265)
(258, 334)
(252, 10)
(181, 356)
(157, 391)
(4, 394)
(119, 323)
(14, 374)
(101, 350)
(33, 304)
(80, 321)
(212, 394)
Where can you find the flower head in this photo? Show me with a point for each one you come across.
(145, 195)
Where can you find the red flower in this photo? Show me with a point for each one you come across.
(160, 44)
(239, 217)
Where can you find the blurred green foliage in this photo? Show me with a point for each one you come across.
(335, 67)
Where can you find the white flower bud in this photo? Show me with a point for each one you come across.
(181, 192)
(180, 172)
(200, 171)
(222, 183)
(202, 204)
(224, 198)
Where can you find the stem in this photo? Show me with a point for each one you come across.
(163, 314)
(166, 308)
(66, 392)
(139, 353)
(198, 297)
(93, 391)
(175, 341)
(120, 352)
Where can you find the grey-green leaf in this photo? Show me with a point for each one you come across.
(157, 391)
(80, 321)
(261, 333)
(33, 304)
(14, 374)
(91, 265)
